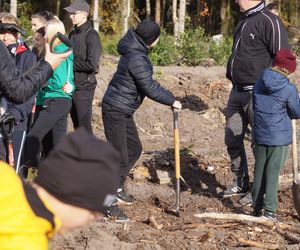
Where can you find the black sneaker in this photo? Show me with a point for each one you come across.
(234, 189)
(270, 216)
(116, 214)
(246, 200)
(124, 198)
(257, 212)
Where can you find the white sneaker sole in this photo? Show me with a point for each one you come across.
(120, 201)
(237, 194)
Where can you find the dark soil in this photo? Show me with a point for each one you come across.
(205, 169)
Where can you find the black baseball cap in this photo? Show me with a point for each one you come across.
(78, 5)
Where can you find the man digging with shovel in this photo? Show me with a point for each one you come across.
(129, 86)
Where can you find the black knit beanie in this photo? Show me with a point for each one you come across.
(148, 30)
(82, 171)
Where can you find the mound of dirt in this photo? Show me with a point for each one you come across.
(205, 169)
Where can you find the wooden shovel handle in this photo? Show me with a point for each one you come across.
(176, 143)
(295, 153)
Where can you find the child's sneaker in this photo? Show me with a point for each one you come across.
(270, 216)
(246, 200)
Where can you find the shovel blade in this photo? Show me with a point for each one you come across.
(296, 197)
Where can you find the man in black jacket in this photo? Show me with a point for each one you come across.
(257, 37)
(131, 83)
(17, 87)
(87, 52)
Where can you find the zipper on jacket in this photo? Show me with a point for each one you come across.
(235, 49)
(256, 9)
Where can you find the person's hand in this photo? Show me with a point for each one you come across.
(177, 105)
(67, 88)
(55, 59)
(7, 117)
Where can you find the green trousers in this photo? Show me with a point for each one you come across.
(268, 162)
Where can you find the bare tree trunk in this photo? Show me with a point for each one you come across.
(297, 12)
(163, 12)
(268, 1)
(13, 7)
(58, 4)
(148, 9)
(175, 18)
(96, 15)
(126, 7)
(293, 12)
(225, 16)
(279, 6)
(181, 19)
(157, 11)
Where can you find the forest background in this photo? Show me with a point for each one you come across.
(194, 32)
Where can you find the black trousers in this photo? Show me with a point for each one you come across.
(121, 132)
(52, 118)
(3, 147)
(81, 112)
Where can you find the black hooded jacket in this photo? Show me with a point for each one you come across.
(257, 38)
(133, 80)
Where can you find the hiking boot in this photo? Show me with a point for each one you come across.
(246, 200)
(124, 198)
(235, 189)
(270, 216)
(116, 214)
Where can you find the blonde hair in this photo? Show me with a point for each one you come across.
(51, 28)
(6, 17)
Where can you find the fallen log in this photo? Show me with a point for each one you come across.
(288, 236)
(248, 218)
(262, 245)
(199, 225)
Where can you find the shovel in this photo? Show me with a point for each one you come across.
(177, 159)
(296, 182)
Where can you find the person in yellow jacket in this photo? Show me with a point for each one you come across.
(74, 183)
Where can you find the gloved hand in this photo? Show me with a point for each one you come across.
(7, 118)
(67, 88)
(177, 105)
(7, 121)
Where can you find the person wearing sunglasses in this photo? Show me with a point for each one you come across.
(87, 52)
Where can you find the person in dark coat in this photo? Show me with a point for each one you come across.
(131, 83)
(24, 59)
(258, 35)
(19, 87)
(87, 52)
(275, 102)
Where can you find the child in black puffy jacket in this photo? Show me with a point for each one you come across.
(131, 83)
